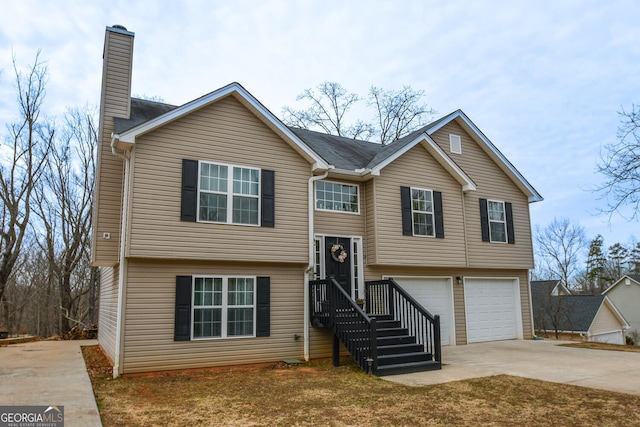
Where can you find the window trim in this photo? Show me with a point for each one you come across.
(432, 213)
(224, 307)
(315, 197)
(504, 221)
(229, 193)
(458, 144)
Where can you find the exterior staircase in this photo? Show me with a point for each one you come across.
(395, 335)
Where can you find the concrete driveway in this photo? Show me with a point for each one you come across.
(48, 373)
(543, 360)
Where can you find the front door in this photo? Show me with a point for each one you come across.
(337, 258)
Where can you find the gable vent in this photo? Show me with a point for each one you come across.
(455, 144)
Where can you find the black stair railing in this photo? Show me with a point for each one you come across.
(387, 298)
(331, 306)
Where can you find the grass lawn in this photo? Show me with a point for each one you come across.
(319, 394)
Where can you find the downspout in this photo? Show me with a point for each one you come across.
(122, 259)
(310, 264)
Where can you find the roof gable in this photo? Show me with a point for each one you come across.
(128, 135)
(633, 279)
(572, 312)
(433, 149)
(492, 151)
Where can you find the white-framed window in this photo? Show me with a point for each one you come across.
(223, 307)
(455, 144)
(422, 212)
(339, 197)
(318, 268)
(228, 194)
(497, 221)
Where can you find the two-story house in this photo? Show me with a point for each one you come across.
(212, 218)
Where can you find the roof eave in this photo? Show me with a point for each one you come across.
(357, 174)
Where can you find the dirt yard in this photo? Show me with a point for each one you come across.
(318, 394)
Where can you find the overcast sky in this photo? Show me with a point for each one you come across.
(544, 80)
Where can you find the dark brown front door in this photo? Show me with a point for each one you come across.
(338, 261)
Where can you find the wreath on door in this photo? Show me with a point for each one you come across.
(338, 253)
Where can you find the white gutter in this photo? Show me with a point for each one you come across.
(122, 259)
(311, 207)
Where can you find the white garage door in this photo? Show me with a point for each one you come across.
(492, 309)
(436, 295)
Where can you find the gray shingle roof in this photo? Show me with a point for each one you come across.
(343, 153)
(141, 111)
(573, 312)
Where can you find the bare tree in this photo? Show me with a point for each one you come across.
(24, 153)
(397, 112)
(64, 206)
(620, 164)
(329, 105)
(558, 246)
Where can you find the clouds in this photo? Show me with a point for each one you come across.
(543, 80)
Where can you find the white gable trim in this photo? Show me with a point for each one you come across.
(559, 286)
(492, 151)
(614, 310)
(621, 280)
(244, 96)
(441, 157)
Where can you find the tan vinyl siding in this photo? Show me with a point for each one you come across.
(149, 319)
(492, 183)
(341, 223)
(370, 243)
(118, 57)
(417, 168)
(115, 102)
(108, 310)
(225, 132)
(377, 272)
(605, 321)
(626, 298)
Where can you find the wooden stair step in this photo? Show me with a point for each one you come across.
(407, 368)
(403, 358)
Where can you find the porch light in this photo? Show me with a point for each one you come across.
(459, 280)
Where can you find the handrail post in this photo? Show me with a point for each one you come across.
(392, 307)
(436, 338)
(374, 344)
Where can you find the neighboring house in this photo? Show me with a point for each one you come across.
(585, 317)
(213, 217)
(625, 294)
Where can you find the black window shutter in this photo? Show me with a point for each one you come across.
(263, 313)
(182, 329)
(508, 211)
(189, 190)
(405, 202)
(484, 220)
(268, 199)
(439, 215)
